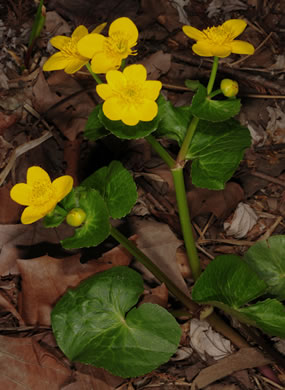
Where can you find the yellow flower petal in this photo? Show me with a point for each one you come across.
(113, 108)
(101, 63)
(90, 44)
(235, 26)
(32, 214)
(56, 62)
(127, 27)
(62, 186)
(193, 33)
(242, 47)
(116, 79)
(21, 193)
(79, 33)
(75, 64)
(104, 91)
(99, 28)
(131, 116)
(152, 89)
(60, 41)
(135, 72)
(147, 111)
(207, 48)
(36, 174)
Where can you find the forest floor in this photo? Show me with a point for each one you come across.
(42, 119)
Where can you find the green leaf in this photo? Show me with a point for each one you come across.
(267, 259)
(268, 315)
(228, 279)
(193, 85)
(120, 130)
(216, 151)
(94, 128)
(116, 186)
(38, 24)
(211, 110)
(55, 217)
(96, 227)
(97, 324)
(174, 121)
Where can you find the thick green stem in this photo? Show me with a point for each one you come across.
(94, 75)
(185, 222)
(161, 151)
(187, 140)
(213, 75)
(142, 258)
(215, 321)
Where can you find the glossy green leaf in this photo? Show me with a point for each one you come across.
(212, 110)
(120, 130)
(94, 128)
(55, 217)
(174, 121)
(116, 185)
(228, 279)
(216, 151)
(97, 324)
(38, 24)
(96, 227)
(267, 259)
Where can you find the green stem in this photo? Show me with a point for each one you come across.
(185, 222)
(94, 75)
(142, 258)
(161, 151)
(187, 140)
(214, 320)
(213, 75)
(215, 93)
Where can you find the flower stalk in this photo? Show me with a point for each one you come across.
(94, 75)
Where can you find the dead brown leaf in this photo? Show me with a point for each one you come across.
(157, 295)
(157, 64)
(21, 368)
(244, 358)
(10, 212)
(45, 280)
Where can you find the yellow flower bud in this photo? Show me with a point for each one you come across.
(76, 217)
(229, 87)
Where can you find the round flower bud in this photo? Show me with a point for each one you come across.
(229, 87)
(76, 217)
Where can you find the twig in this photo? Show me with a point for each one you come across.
(21, 150)
(268, 178)
(269, 231)
(271, 382)
(226, 241)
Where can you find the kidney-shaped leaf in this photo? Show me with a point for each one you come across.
(94, 128)
(216, 151)
(116, 186)
(213, 110)
(267, 259)
(228, 279)
(96, 227)
(97, 324)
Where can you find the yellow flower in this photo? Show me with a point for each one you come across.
(219, 41)
(128, 96)
(40, 194)
(68, 58)
(107, 53)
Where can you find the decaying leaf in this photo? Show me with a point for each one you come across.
(243, 220)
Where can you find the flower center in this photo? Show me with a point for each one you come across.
(118, 44)
(42, 192)
(218, 35)
(132, 93)
(70, 49)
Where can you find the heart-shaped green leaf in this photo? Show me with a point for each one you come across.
(216, 151)
(267, 259)
(96, 227)
(97, 324)
(55, 217)
(211, 110)
(228, 279)
(116, 186)
(94, 128)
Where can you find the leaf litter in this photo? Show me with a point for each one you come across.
(159, 23)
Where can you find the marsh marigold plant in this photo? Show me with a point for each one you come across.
(69, 58)
(40, 194)
(107, 53)
(219, 41)
(128, 96)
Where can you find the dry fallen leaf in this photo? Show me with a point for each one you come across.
(45, 280)
(242, 222)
